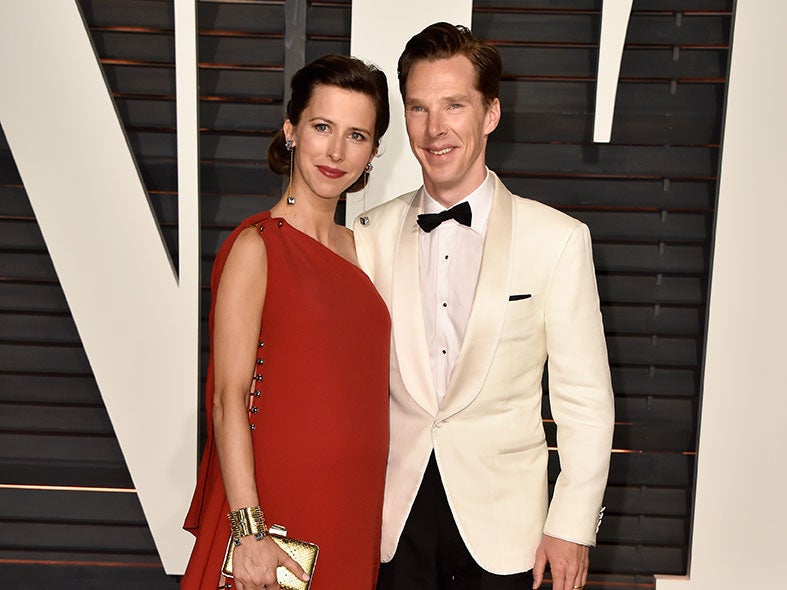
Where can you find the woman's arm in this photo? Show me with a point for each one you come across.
(236, 329)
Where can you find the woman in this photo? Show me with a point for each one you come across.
(294, 315)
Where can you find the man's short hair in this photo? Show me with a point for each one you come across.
(443, 41)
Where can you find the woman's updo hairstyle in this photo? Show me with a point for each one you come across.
(342, 71)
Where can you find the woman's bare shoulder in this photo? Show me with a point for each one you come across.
(248, 243)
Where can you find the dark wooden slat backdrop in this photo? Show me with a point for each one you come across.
(648, 198)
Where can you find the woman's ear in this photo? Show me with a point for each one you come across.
(289, 129)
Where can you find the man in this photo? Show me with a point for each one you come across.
(483, 287)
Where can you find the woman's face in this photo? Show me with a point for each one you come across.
(333, 142)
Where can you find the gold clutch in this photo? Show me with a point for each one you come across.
(301, 551)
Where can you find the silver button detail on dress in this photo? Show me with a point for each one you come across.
(364, 220)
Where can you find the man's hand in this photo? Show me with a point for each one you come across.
(568, 563)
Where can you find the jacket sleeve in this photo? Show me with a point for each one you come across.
(580, 392)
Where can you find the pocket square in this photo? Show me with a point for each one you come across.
(518, 297)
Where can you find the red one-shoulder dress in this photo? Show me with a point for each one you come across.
(318, 417)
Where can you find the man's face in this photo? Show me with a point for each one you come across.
(448, 124)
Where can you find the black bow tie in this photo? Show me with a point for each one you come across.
(461, 212)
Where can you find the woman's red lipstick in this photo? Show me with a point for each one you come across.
(331, 172)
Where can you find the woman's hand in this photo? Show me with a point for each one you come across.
(254, 564)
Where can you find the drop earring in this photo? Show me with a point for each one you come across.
(290, 148)
(368, 168)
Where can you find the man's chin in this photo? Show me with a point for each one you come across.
(439, 176)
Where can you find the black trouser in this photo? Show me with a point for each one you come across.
(431, 554)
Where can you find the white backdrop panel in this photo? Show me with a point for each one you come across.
(138, 322)
(740, 514)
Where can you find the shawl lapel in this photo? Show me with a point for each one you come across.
(488, 310)
(407, 311)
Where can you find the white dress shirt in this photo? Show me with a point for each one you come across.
(450, 261)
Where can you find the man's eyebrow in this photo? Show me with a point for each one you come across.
(457, 98)
(444, 100)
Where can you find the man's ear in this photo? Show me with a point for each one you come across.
(492, 116)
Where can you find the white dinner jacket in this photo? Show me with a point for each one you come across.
(536, 299)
